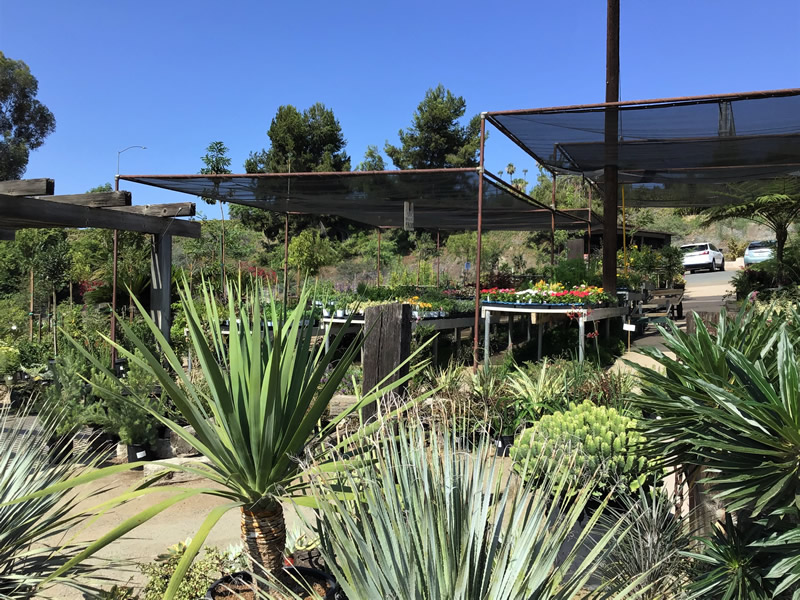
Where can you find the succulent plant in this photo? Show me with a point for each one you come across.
(603, 440)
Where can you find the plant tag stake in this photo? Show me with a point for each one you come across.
(408, 215)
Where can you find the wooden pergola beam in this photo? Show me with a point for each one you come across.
(175, 209)
(28, 187)
(33, 212)
(96, 200)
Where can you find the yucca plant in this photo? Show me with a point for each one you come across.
(538, 390)
(653, 547)
(33, 546)
(430, 522)
(258, 420)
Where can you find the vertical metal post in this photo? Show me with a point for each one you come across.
(379, 257)
(487, 323)
(30, 311)
(553, 224)
(114, 286)
(589, 250)
(611, 137)
(510, 331)
(437, 258)
(478, 250)
(286, 262)
(581, 336)
(539, 326)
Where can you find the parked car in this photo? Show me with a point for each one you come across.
(702, 255)
(757, 252)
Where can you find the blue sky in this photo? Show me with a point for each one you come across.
(176, 75)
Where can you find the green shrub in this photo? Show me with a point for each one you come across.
(9, 360)
(203, 572)
(603, 440)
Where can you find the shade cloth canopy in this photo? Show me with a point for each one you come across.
(674, 152)
(445, 199)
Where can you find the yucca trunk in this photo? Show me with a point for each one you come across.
(264, 536)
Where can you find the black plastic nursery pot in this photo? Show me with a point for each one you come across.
(246, 578)
(504, 443)
(137, 452)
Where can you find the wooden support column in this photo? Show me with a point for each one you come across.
(388, 343)
(161, 273)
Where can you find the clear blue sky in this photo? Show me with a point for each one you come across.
(175, 75)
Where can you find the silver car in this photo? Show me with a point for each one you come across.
(757, 252)
(702, 255)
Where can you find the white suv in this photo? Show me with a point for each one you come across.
(702, 256)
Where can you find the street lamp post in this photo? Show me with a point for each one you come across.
(114, 271)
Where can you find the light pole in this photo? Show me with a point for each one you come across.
(114, 271)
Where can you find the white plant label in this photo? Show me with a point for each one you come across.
(628, 327)
(141, 454)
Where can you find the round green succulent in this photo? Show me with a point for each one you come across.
(592, 441)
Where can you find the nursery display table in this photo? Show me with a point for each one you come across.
(584, 314)
(331, 325)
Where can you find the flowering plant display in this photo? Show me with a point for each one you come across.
(548, 293)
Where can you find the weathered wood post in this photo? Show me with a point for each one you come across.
(388, 343)
(161, 274)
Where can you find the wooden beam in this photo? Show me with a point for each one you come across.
(7, 235)
(98, 200)
(28, 187)
(32, 212)
(175, 209)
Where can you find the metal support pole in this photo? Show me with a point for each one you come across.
(379, 257)
(114, 287)
(528, 321)
(539, 327)
(581, 337)
(437, 258)
(30, 311)
(486, 333)
(286, 262)
(589, 249)
(510, 330)
(478, 251)
(553, 224)
(611, 138)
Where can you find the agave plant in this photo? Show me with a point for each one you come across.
(733, 407)
(256, 422)
(430, 522)
(32, 548)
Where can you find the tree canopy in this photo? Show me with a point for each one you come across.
(216, 160)
(436, 138)
(773, 203)
(24, 121)
(300, 142)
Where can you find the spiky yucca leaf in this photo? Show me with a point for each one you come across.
(33, 542)
(430, 522)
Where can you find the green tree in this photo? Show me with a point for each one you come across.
(309, 251)
(570, 191)
(217, 161)
(300, 142)
(511, 169)
(24, 121)
(373, 161)
(774, 204)
(436, 138)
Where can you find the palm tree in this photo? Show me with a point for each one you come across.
(268, 388)
(511, 169)
(774, 204)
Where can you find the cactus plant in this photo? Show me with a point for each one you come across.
(604, 440)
